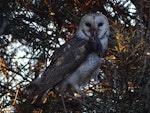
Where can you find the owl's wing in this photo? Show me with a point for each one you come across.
(64, 61)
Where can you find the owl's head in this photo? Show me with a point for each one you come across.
(93, 25)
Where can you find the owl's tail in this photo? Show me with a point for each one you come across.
(33, 87)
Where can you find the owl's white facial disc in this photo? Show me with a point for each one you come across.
(93, 25)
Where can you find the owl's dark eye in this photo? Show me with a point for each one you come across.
(88, 24)
(100, 24)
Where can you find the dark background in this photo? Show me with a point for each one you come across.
(31, 29)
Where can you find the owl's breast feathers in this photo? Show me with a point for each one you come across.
(64, 61)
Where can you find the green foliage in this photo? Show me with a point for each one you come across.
(31, 30)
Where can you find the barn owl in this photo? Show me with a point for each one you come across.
(77, 61)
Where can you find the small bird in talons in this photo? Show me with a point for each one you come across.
(77, 61)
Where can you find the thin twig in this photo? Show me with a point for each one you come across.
(64, 105)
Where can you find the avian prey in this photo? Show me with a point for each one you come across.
(77, 61)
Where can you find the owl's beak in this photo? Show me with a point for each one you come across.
(93, 31)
